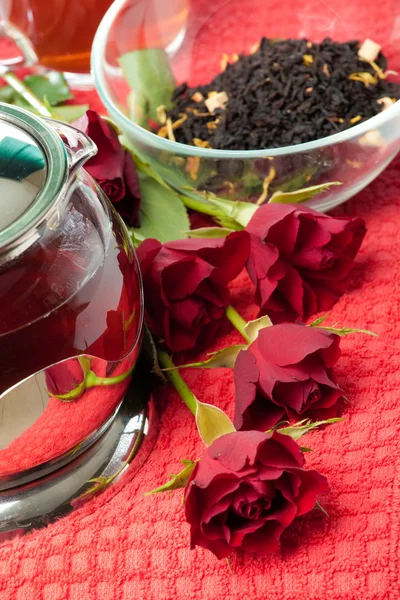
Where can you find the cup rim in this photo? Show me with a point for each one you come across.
(152, 139)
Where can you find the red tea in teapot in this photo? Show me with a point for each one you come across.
(68, 294)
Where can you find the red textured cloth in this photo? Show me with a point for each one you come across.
(125, 546)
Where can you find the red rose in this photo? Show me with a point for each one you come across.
(186, 286)
(112, 167)
(313, 255)
(246, 490)
(286, 372)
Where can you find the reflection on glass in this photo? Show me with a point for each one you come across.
(73, 296)
(22, 173)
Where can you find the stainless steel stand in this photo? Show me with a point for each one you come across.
(130, 435)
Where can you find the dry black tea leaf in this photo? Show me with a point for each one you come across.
(284, 92)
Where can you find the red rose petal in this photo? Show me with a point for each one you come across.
(219, 547)
(233, 452)
(312, 485)
(194, 271)
(270, 215)
(110, 154)
(265, 540)
(239, 496)
(295, 394)
(288, 344)
(146, 253)
(246, 375)
(227, 254)
(297, 293)
(281, 452)
(181, 278)
(247, 529)
(317, 251)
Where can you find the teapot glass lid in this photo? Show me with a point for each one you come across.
(33, 170)
(23, 172)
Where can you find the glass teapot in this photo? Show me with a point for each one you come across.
(71, 306)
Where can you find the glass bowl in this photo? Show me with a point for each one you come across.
(195, 34)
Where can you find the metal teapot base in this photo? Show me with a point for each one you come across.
(125, 444)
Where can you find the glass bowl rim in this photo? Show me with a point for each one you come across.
(152, 139)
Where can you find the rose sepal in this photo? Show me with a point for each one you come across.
(252, 328)
(297, 430)
(212, 422)
(225, 358)
(339, 330)
(177, 481)
(222, 359)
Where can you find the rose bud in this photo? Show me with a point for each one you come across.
(246, 490)
(310, 269)
(286, 373)
(112, 167)
(186, 286)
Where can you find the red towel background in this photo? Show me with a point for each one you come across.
(125, 546)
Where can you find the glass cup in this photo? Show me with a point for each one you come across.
(59, 34)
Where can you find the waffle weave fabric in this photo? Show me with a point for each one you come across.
(124, 546)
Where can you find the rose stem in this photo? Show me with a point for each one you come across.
(177, 381)
(237, 321)
(23, 91)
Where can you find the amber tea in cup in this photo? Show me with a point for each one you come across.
(62, 31)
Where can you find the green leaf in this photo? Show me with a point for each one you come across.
(240, 212)
(177, 481)
(64, 112)
(19, 101)
(253, 327)
(53, 85)
(48, 106)
(318, 321)
(305, 449)
(70, 112)
(7, 94)
(162, 214)
(299, 429)
(151, 80)
(302, 195)
(212, 422)
(345, 330)
(209, 232)
(224, 359)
